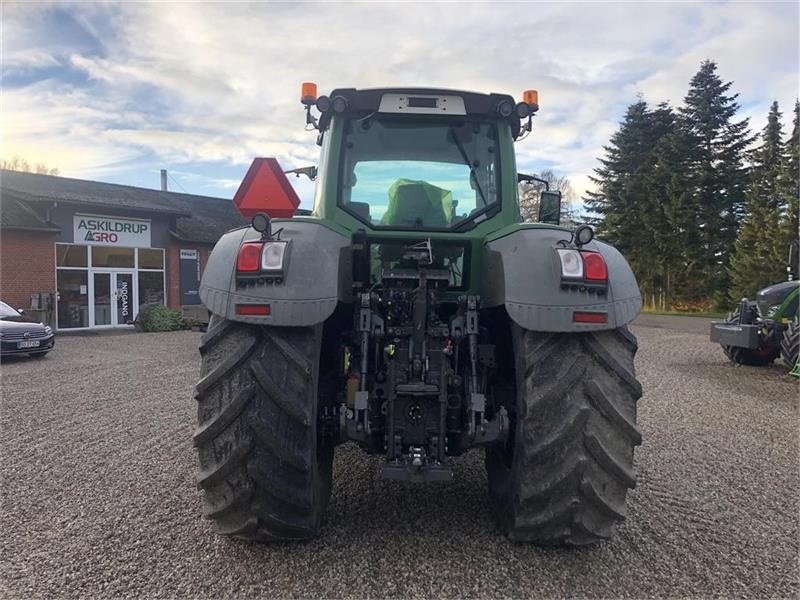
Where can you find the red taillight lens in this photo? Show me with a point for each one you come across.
(249, 259)
(594, 266)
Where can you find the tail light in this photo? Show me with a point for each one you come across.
(571, 263)
(249, 259)
(594, 266)
(272, 257)
(582, 266)
(266, 258)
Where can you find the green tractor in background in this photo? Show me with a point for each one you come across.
(759, 331)
(415, 315)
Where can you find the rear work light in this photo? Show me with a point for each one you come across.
(249, 259)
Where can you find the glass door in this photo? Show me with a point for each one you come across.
(101, 299)
(123, 305)
(113, 300)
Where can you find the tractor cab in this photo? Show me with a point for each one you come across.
(417, 160)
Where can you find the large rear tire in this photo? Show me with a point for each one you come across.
(790, 344)
(753, 357)
(263, 470)
(563, 477)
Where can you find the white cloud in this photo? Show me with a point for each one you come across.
(219, 83)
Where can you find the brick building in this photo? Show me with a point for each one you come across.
(85, 254)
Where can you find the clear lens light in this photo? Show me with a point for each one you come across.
(571, 263)
(272, 256)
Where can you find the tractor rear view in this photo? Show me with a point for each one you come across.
(413, 314)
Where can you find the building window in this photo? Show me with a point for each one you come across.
(105, 285)
(73, 298)
(151, 258)
(151, 287)
(111, 257)
(68, 255)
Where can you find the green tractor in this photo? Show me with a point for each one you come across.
(759, 331)
(412, 313)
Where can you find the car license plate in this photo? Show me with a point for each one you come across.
(28, 344)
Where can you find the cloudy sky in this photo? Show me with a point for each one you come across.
(114, 92)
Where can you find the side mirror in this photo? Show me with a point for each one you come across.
(794, 259)
(310, 172)
(550, 207)
(21, 311)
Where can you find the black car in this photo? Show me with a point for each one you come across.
(21, 335)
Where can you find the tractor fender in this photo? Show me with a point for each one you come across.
(317, 271)
(523, 273)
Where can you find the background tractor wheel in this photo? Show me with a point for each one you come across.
(754, 357)
(264, 474)
(790, 344)
(563, 477)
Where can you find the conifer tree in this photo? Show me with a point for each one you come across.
(673, 217)
(628, 201)
(790, 191)
(715, 145)
(756, 261)
(618, 179)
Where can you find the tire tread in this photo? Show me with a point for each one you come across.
(576, 431)
(262, 474)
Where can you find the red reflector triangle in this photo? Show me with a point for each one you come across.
(266, 189)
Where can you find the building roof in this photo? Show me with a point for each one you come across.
(34, 187)
(15, 214)
(210, 218)
(197, 218)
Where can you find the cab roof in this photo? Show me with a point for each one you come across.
(475, 103)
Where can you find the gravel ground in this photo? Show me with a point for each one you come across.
(98, 494)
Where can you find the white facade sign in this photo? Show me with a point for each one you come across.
(111, 231)
(189, 254)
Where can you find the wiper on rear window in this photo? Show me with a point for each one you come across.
(468, 162)
(472, 221)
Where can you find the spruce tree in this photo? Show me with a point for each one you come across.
(790, 192)
(628, 202)
(674, 217)
(715, 145)
(615, 201)
(756, 261)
